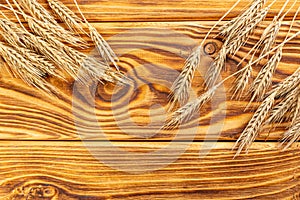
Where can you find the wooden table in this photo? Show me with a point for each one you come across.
(42, 154)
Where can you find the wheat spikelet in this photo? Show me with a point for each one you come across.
(292, 135)
(215, 69)
(37, 10)
(185, 113)
(250, 132)
(24, 69)
(279, 111)
(66, 15)
(264, 78)
(182, 84)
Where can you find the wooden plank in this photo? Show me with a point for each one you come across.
(152, 54)
(67, 170)
(157, 10)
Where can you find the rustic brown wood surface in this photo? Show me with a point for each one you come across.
(41, 154)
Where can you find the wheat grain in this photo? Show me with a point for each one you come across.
(251, 131)
(182, 84)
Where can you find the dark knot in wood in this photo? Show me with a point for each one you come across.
(45, 192)
(210, 48)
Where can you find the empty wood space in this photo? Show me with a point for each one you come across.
(57, 147)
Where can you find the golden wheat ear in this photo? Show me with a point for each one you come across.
(24, 68)
(36, 10)
(75, 23)
(250, 133)
(66, 15)
(292, 135)
(47, 30)
(186, 112)
(182, 84)
(288, 104)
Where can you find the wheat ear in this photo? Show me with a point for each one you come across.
(240, 36)
(73, 21)
(243, 19)
(182, 84)
(287, 85)
(49, 31)
(251, 131)
(216, 67)
(287, 103)
(37, 10)
(186, 112)
(24, 69)
(292, 135)
(264, 78)
(66, 15)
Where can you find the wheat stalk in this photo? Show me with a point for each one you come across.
(24, 69)
(251, 131)
(182, 84)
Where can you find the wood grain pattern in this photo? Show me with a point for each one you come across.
(160, 10)
(152, 54)
(152, 38)
(67, 170)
